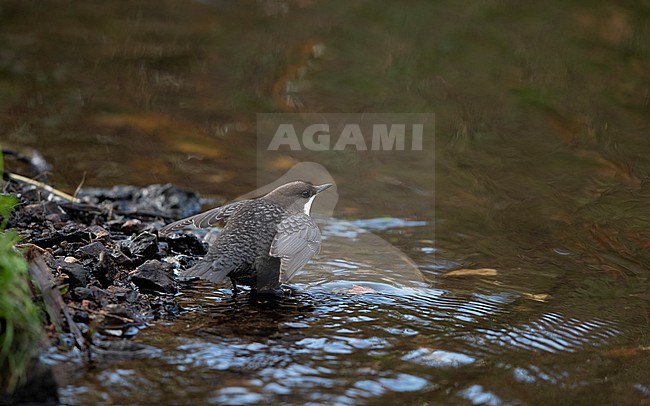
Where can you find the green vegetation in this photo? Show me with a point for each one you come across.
(20, 321)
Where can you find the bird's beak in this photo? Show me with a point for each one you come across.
(323, 187)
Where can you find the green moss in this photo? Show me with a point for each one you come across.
(20, 321)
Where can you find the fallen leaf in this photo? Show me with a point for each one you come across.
(540, 297)
(473, 272)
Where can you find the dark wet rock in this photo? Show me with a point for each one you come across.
(163, 247)
(95, 245)
(170, 199)
(179, 261)
(188, 244)
(99, 232)
(132, 226)
(154, 275)
(38, 212)
(164, 200)
(85, 213)
(94, 249)
(118, 320)
(100, 296)
(105, 269)
(123, 294)
(143, 245)
(53, 212)
(83, 293)
(77, 274)
(49, 239)
(81, 316)
(163, 307)
(120, 257)
(129, 226)
(120, 312)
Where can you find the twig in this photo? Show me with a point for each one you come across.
(54, 305)
(104, 313)
(44, 186)
(83, 180)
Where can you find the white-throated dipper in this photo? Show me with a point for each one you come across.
(264, 242)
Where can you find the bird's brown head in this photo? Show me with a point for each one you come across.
(296, 196)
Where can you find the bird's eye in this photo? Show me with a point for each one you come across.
(306, 195)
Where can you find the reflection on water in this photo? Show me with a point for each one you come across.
(331, 343)
(344, 348)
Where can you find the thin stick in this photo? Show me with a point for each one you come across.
(44, 186)
(83, 180)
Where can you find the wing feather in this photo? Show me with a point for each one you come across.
(213, 271)
(205, 219)
(296, 242)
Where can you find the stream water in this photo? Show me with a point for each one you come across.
(509, 264)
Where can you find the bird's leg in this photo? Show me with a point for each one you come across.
(234, 286)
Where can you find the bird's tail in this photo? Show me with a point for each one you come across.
(205, 270)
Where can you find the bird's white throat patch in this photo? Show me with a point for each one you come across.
(308, 204)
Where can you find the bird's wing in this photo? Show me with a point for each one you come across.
(296, 242)
(205, 219)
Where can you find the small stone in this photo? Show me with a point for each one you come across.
(131, 331)
(81, 316)
(105, 269)
(70, 260)
(119, 257)
(54, 218)
(100, 295)
(83, 294)
(144, 245)
(94, 249)
(131, 226)
(132, 296)
(77, 274)
(154, 275)
(99, 232)
(83, 327)
(119, 292)
(113, 332)
(187, 244)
